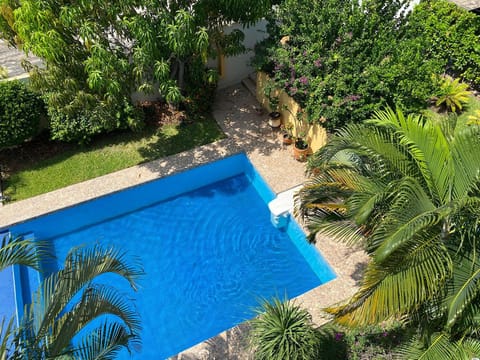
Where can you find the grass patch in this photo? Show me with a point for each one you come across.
(104, 155)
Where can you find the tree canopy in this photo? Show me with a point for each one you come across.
(97, 53)
(407, 188)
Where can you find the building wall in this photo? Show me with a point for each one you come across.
(238, 67)
(316, 134)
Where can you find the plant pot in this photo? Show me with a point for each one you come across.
(300, 150)
(287, 139)
(275, 119)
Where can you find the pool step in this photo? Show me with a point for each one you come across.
(25, 282)
(282, 206)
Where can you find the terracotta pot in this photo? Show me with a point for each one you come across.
(300, 150)
(287, 139)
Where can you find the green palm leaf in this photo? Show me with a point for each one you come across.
(465, 287)
(104, 342)
(392, 290)
(19, 251)
(439, 348)
(6, 338)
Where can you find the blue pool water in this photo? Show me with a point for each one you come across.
(209, 254)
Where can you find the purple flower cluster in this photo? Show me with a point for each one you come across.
(352, 98)
(318, 63)
(303, 80)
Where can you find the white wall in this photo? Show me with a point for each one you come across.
(238, 67)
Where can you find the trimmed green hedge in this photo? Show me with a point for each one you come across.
(20, 113)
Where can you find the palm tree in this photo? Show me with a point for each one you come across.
(60, 322)
(408, 190)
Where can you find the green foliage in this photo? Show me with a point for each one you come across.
(103, 155)
(55, 324)
(449, 35)
(21, 111)
(406, 188)
(372, 342)
(343, 60)
(97, 53)
(283, 331)
(452, 94)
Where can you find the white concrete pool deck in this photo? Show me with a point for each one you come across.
(236, 112)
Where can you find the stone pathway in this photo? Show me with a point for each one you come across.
(237, 113)
(11, 59)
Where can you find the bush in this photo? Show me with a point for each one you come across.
(21, 111)
(342, 60)
(83, 124)
(283, 331)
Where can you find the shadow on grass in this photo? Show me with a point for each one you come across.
(173, 139)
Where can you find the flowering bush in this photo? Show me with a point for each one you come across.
(342, 60)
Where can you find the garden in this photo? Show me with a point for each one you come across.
(399, 175)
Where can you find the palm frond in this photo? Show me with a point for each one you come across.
(81, 267)
(391, 290)
(439, 348)
(464, 149)
(104, 342)
(16, 250)
(6, 338)
(96, 300)
(465, 287)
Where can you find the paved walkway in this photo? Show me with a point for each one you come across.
(236, 112)
(11, 60)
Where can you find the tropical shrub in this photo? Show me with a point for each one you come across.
(94, 60)
(407, 189)
(343, 60)
(21, 111)
(449, 35)
(283, 331)
(452, 94)
(75, 316)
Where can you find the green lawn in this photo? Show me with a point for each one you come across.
(111, 153)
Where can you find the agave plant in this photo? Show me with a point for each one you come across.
(452, 94)
(283, 331)
(408, 190)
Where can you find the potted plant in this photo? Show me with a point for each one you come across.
(300, 144)
(274, 117)
(300, 147)
(287, 134)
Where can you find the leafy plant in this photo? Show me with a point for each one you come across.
(452, 94)
(283, 331)
(271, 92)
(21, 111)
(474, 119)
(407, 190)
(55, 324)
(3, 72)
(90, 74)
(345, 60)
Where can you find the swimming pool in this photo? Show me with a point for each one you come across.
(207, 246)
